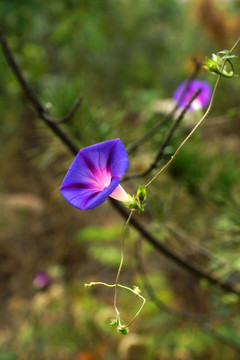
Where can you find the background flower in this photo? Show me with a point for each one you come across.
(41, 280)
(185, 91)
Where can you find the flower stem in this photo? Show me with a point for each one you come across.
(126, 288)
(120, 266)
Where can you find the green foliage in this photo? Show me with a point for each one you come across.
(5, 355)
(125, 59)
(99, 234)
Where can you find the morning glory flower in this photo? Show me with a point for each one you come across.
(95, 174)
(201, 101)
(41, 280)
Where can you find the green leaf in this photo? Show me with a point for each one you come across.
(227, 54)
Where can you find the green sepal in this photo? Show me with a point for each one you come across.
(141, 193)
(135, 205)
(123, 330)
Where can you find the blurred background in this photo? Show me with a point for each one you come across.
(126, 58)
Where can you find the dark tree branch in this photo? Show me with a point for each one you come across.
(198, 249)
(121, 210)
(221, 338)
(191, 316)
(199, 273)
(133, 147)
(39, 108)
(165, 141)
(200, 319)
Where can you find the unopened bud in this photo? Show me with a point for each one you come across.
(141, 193)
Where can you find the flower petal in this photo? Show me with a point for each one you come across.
(99, 198)
(120, 194)
(106, 157)
(118, 159)
(79, 173)
(77, 194)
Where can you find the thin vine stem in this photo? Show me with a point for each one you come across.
(140, 309)
(116, 285)
(197, 125)
(235, 45)
(120, 265)
(125, 288)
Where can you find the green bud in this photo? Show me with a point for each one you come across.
(141, 193)
(123, 330)
(137, 200)
(136, 289)
(87, 286)
(215, 64)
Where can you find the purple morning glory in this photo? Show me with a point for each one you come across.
(41, 280)
(201, 100)
(95, 174)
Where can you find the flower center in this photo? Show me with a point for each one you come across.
(103, 180)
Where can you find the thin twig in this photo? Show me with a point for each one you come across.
(188, 137)
(68, 116)
(165, 141)
(120, 265)
(134, 146)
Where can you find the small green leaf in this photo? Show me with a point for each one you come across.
(136, 290)
(123, 330)
(227, 54)
(113, 322)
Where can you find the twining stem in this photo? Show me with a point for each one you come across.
(235, 45)
(197, 125)
(140, 309)
(116, 285)
(126, 288)
(120, 265)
